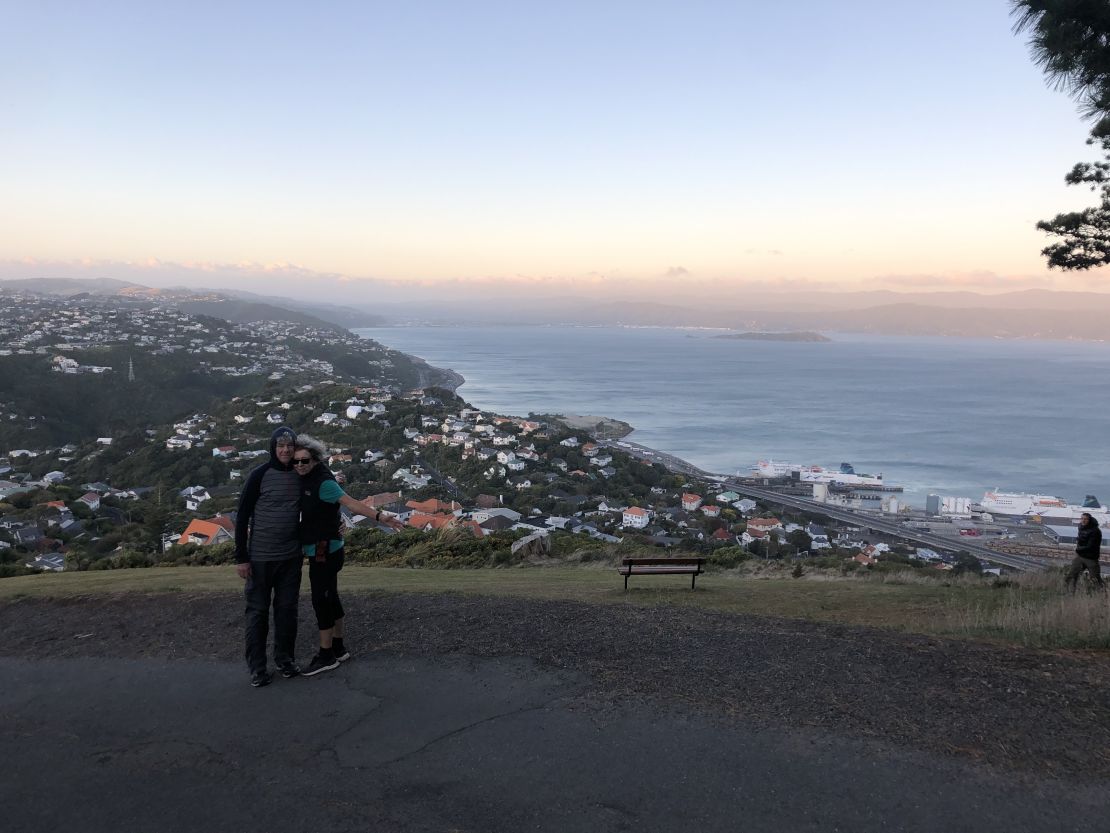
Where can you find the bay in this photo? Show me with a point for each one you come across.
(944, 415)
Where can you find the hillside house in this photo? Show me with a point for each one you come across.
(818, 537)
(764, 524)
(194, 496)
(91, 500)
(433, 506)
(635, 517)
(207, 533)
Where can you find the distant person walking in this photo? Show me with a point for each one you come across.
(1088, 548)
(322, 541)
(268, 557)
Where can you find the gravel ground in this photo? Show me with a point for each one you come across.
(1040, 712)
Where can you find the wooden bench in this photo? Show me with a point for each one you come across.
(661, 567)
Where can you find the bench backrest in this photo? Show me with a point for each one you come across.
(647, 562)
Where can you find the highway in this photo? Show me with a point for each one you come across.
(864, 520)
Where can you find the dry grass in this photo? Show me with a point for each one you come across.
(1035, 611)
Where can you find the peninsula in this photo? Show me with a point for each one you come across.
(796, 336)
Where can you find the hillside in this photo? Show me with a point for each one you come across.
(248, 312)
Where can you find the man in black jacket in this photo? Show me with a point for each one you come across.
(268, 557)
(1088, 547)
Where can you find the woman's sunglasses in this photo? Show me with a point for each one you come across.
(301, 461)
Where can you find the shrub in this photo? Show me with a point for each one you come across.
(727, 557)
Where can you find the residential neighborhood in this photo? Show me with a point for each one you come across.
(149, 492)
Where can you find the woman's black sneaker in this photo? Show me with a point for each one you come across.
(261, 678)
(320, 662)
(342, 654)
(289, 669)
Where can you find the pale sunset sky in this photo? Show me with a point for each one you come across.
(857, 144)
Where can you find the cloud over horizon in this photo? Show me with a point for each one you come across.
(982, 280)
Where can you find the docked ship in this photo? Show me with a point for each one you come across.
(844, 476)
(1048, 508)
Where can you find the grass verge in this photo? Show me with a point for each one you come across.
(1030, 610)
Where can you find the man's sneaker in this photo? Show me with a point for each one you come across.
(261, 678)
(289, 669)
(342, 654)
(321, 662)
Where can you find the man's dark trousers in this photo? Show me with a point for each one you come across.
(281, 580)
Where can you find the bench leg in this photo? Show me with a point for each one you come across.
(693, 578)
(626, 583)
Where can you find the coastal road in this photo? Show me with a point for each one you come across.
(866, 520)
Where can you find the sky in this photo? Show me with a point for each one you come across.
(646, 145)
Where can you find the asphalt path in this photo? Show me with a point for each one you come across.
(399, 743)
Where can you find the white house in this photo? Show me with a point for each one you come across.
(635, 517)
(194, 497)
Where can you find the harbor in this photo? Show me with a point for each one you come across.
(875, 508)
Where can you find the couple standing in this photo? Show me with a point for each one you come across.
(289, 509)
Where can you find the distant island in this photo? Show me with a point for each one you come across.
(800, 336)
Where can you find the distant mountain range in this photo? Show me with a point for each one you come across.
(1027, 314)
(1032, 313)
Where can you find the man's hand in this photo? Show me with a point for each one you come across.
(244, 570)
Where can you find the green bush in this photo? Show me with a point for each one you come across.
(727, 557)
(11, 570)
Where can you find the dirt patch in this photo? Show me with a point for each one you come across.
(1008, 707)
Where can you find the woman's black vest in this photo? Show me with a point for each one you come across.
(319, 519)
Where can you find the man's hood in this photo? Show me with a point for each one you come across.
(283, 431)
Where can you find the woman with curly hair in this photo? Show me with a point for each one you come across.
(322, 542)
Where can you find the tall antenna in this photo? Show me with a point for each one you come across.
(130, 369)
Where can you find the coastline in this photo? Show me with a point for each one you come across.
(725, 404)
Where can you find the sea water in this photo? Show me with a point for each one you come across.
(953, 416)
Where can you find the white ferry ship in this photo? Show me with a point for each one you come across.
(1050, 508)
(844, 476)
